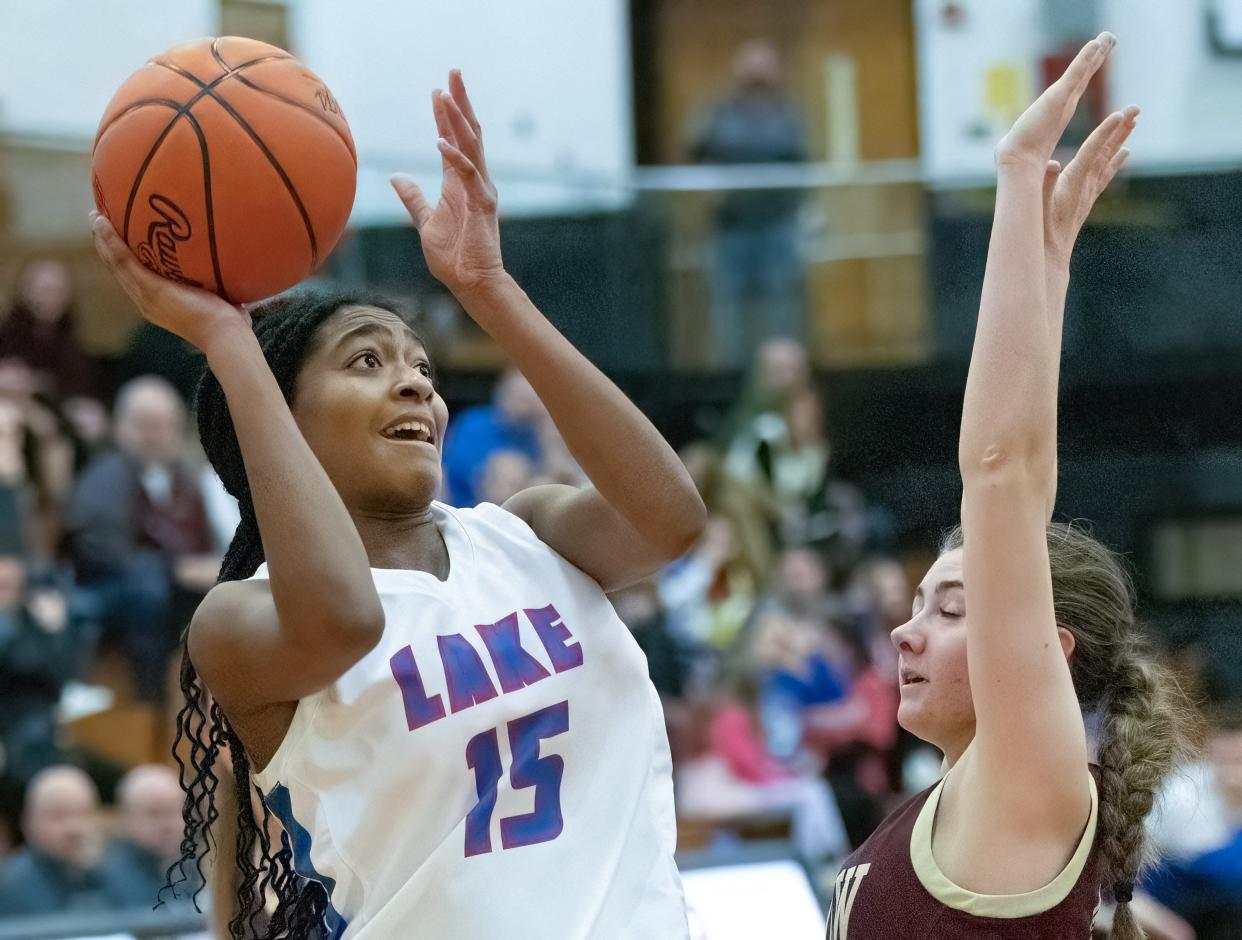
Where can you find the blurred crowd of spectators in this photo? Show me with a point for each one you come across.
(111, 530)
(768, 641)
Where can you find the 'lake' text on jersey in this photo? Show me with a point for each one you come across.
(466, 678)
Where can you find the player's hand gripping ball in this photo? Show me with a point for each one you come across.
(226, 164)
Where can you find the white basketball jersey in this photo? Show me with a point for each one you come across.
(496, 767)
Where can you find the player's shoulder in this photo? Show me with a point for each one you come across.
(488, 517)
(503, 531)
(226, 609)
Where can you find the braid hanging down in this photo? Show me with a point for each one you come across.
(286, 328)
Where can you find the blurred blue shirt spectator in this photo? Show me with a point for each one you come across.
(511, 422)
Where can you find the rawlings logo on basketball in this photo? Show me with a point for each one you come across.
(326, 101)
(159, 251)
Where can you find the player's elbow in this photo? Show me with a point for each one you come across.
(687, 528)
(1010, 458)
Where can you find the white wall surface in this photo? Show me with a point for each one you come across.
(61, 60)
(1191, 97)
(550, 80)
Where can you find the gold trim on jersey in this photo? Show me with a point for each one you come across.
(995, 905)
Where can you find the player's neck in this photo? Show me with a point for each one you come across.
(410, 541)
(953, 751)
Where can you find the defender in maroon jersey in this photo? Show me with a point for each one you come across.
(1021, 838)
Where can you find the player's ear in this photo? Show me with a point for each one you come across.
(1067, 641)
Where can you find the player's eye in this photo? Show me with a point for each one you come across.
(368, 357)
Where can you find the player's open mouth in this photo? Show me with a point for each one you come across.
(414, 431)
(908, 677)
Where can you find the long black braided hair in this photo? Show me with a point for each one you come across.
(286, 328)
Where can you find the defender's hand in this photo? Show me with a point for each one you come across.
(1033, 137)
(1070, 194)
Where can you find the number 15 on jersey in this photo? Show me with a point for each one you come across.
(544, 823)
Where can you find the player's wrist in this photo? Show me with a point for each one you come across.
(227, 340)
(485, 295)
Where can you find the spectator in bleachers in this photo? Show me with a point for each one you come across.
(756, 274)
(878, 600)
(1197, 827)
(36, 462)
(43, 641)
(801, 586)
(90, 428)
(504, 473)
(65, 865)
(711, 590)
(785, 456)
(801, 664)
(149, 797)
(640, 609)
(153, 350)
(781, 369)
(40, 331)
(753, 762)
(857, 735)
(786, 453)
(514, 420)
(139, 531)
(750, 515)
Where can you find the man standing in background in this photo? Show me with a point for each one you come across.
(756, 276)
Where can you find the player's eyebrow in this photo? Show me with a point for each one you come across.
(940, 588)
(376, 330)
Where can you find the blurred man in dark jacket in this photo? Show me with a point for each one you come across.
(756, 274)
(139, 533)
(66, 864)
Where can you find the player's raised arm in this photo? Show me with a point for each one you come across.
(253, 645)
(1030, 743)
(1068, 198)
(642, 508)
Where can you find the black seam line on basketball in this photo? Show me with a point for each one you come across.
(305, 107)
(271, 158)
(182, 110)
(211, 219)
(215, 53)
(175, 105)
(100, 132)
(219, 56)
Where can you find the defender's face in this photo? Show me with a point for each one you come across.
(936, 703)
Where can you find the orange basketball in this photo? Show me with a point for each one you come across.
(226, 164)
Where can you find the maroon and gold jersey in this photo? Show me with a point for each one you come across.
(892, 887)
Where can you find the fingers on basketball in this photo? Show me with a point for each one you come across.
(120, 260)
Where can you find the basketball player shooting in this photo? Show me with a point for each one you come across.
(454, 728)
(1022, 623)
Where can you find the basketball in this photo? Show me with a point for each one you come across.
(226, 164)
